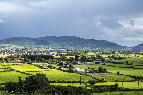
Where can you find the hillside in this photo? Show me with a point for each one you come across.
(138, 47)
(67, 42)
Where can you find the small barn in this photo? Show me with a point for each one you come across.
(45, 64)
(89, 63)
(64, 69)
(79, 70)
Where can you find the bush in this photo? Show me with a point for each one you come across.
(30, 85)
(92, 82)
(35, 82)
(11, 86)
(61, 90)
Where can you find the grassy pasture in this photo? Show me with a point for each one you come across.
(120, 93)
(66, 57)
(125, 71)
(91, 53)
(10, 64)
(52, 74)
(131, 85)
(118, 65)
(3, 56)
(11, 76)
(1, 70)
(111, 77)
(57, 75)
(71, 84)
(25, 67)
(134, 60)
(65, 76)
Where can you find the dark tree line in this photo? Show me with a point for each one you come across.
(37, 58)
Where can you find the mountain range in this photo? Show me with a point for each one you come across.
(67, 42)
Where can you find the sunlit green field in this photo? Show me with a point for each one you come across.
(125, 71)
(120, 93)
(111, 77)
(130, 85)
(65, 76)
(134, 60)
(11, 76)
(57, 75)
(3, 56)
(52, 74)
(25, 67)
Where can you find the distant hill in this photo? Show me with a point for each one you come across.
(138, 47)
(67, 42)
(24, 41)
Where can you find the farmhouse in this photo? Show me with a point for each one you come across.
(79, 70)
(64, 69)
(89, 63)
(79, 63)
(45, 64)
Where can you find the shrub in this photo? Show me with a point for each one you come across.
(35, 82)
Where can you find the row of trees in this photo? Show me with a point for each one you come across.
(40, 85)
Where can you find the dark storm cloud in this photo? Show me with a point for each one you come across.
(114, 20)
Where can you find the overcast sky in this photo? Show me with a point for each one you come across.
(119, 21)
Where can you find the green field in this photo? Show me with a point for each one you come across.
(11, 76)
(125, 71)
(130, 85)
(52, 74)
(120, 93)
(11, 72)
(134, 60)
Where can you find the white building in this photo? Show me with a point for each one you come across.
(79, 70)
(89, 63)
(45, 64)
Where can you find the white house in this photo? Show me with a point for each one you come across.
(45, 64)
(79, 70)
(89, 63)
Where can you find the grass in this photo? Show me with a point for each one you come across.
(11, 76)
(91, 53)
(111, 77)
(52, 74)
(125, 71)
(3, 56)
(56, 75)
(67, 84)
(25, 67)
(1, 70)
(131, 85)
(134, 60)
(120, 93)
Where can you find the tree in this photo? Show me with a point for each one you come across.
(20, 85)
(83, 59)
(60, 64)
(76, 57)
(11, 86)
(102, 70)
(6, 59)
(63, 58)
(30, 85)
(118, 73)
(71, 66)
(71, 59)
(27, 60)
(92, 82)
(35, 82)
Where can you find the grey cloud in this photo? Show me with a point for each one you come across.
(98, 19)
